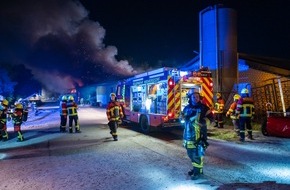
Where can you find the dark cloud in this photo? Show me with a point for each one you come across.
(58, 42)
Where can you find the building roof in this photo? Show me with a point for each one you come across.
(268, 64)
(272, 65)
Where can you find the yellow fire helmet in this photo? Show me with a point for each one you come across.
(19, 106)
(218, 95)
(236, 97)
(5, 102)
(71, 98)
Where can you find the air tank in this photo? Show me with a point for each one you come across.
(218, 46)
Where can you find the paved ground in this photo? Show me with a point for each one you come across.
(91, 160)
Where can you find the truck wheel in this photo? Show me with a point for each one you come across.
(264, 128)
(144, 125)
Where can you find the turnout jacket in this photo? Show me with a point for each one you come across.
(245, 107)
(114, 111)
(196, 117)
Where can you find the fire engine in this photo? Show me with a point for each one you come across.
(156, 98)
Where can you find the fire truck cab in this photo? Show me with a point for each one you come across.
(156, 98)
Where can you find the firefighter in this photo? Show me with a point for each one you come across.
(3, 120)
(114, 115)
(17, 116)
(246, 111)
(63, 114)
(219, 110)
(197, 117)
(73, 115)
(232, 114)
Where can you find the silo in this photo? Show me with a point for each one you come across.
(218, 46)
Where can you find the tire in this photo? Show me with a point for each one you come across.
(264, 128)
(144, 125)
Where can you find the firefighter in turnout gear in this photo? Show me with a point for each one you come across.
(246, 111)
(17, 118)
(63, 113)
(114, 115)
(219, 110)
(73, 115)
(197, 117)
(3, 120)
(232, 114)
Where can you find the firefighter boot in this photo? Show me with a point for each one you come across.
(250, 136)
(5, 136)
(221, 125)
(196, 173)
(62, 129)
(78, 129)
(242, 136)
(190, 172)
(216, 124)
(20, 137)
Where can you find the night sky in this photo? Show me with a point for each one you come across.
(70, 43)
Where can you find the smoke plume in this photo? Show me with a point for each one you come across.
(58, 42)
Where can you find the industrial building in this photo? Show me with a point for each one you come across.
(267, 79)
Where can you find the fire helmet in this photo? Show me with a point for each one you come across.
(218, 95)
(236, 97)
(5, 102)
(18, 106)
(64, 98)
(112, 94)
(71, 98)
(193, 91)
(245, 91)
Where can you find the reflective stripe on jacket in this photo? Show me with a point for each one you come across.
(63, 108)
(72, 108)
(245, 107)
(232, 110)
(219, 106)
(114, 111)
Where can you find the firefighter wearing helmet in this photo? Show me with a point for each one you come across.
(197, 117)
(246, 111)
(17, 119)
(3, 120)
(114, 114)
(232, 114)
(63, 113)
(219, 111)
(73, 115)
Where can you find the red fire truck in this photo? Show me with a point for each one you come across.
(156, 98)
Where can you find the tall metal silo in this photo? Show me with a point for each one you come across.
(218, 46)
